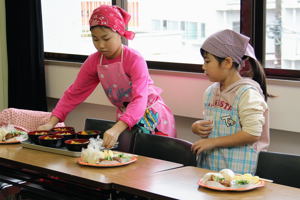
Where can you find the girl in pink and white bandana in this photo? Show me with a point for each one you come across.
(124, 76)
(235, 126)
(113, 17)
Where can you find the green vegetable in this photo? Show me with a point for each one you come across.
(108, 158)
(218, 179)
(242, 182)
(121, 155)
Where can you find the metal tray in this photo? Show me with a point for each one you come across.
(62, 150)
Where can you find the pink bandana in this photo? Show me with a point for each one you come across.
(228, 43)
(113, 17)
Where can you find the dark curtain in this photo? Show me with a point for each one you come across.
(26, 73)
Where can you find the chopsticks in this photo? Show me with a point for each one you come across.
(266, 180)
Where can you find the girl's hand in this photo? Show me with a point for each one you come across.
(110, 137)
(202, 128)
(203, 145)
(49, 125)
(45, 127)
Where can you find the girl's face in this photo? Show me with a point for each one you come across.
(107, 41)
(215, 71)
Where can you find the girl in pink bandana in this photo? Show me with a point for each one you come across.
(235, 126)
(124, 76)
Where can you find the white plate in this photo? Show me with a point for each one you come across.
(132, 159)
(224, 188)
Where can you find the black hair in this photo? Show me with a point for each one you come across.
(257, 72)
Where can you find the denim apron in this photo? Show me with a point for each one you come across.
(241, 159)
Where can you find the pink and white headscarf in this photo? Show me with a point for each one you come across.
(113, 17)
(228, 43)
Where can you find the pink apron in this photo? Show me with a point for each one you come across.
(117, 85)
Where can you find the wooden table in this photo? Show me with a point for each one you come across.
(181, 183)
(66, 167)
(146, 177)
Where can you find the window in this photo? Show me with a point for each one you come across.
(66, 26)
(282, 34)
(169, 33)
(178, 27)
(282, 38)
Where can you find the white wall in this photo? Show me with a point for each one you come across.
(284, 109)
(183, 93)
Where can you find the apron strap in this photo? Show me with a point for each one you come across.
(101, 58)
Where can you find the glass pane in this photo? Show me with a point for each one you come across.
(173, 30)
(283, 32)
(66, 25)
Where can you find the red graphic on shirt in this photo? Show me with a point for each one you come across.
(221, 104)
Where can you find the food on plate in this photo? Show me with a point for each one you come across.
(76, 144)
(88, 134)
(211, 176)
(104, 157)
(9, 133)
(47, 137)
(84, 133)
(95, 153)
(245, 179)
(54, 141)
(227, 178)
(64, 133)
(40, 133)
(34, 136)
(66, 128)
(67, 135)
(228, 175)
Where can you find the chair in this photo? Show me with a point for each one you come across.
(281, 168)
(10, 187)
(126, 139)
(98, 124)
(8, 191)
(165, 148)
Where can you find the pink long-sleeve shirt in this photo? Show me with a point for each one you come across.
(87, 79)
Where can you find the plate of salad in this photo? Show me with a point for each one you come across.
(227, 180)
(105, 158)
(12, 135)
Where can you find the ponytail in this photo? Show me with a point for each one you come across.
(258, 75)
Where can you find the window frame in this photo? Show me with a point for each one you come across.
(253, 23)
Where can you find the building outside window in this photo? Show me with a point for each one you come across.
(283, 34)
(172, 31)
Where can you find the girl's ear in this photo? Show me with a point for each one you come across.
(228, 63)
